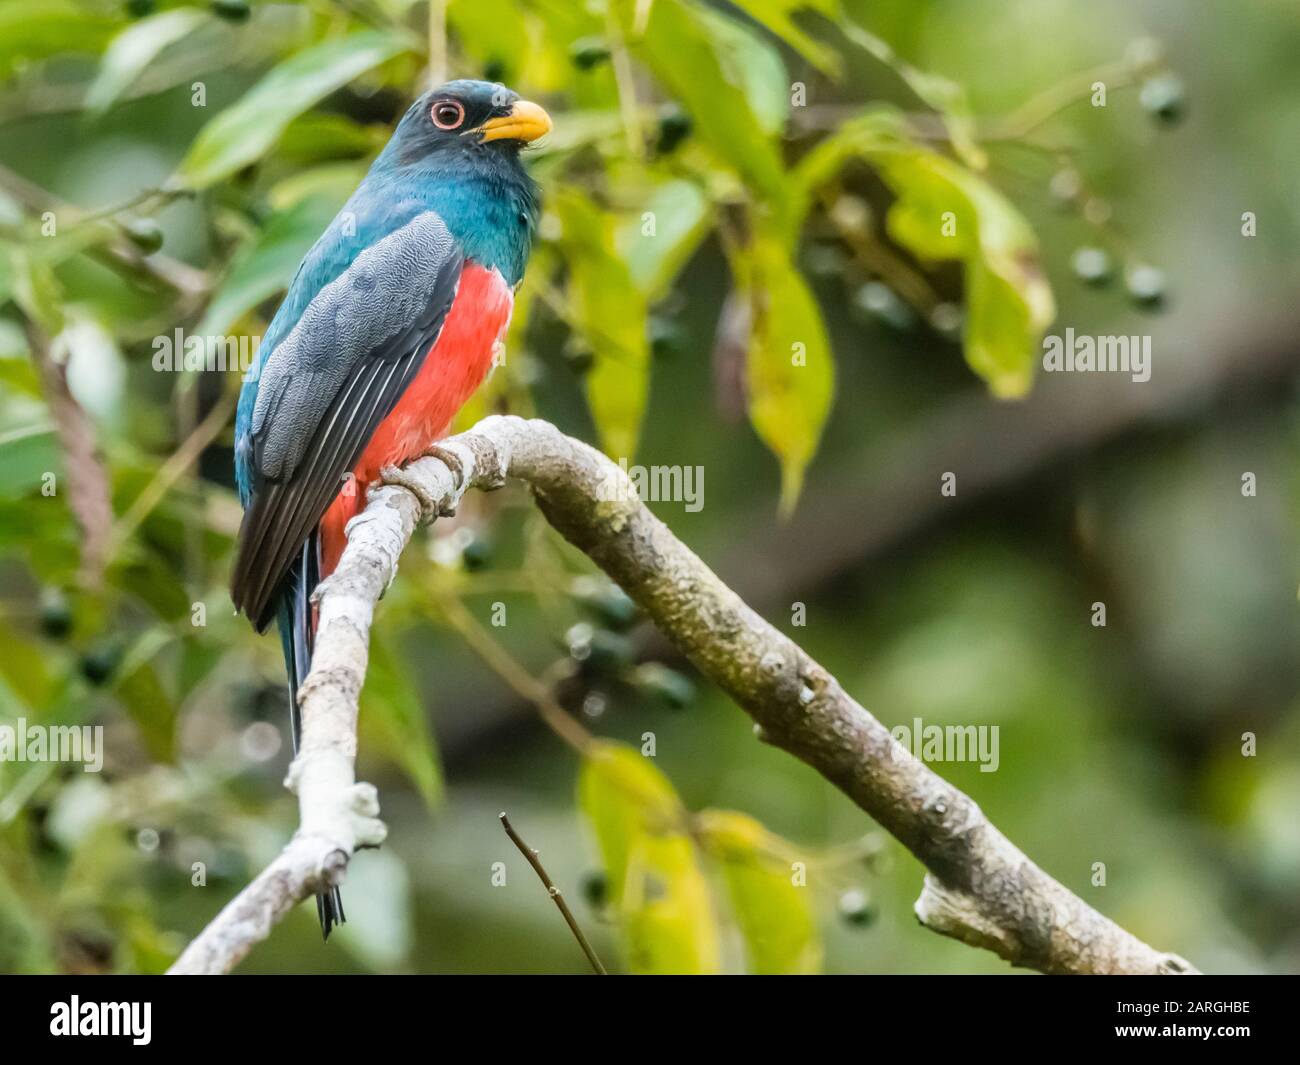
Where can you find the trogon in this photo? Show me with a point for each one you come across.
(390, 324)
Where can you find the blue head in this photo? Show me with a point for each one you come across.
(457, 149)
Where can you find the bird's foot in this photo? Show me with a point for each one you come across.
(431, 507)
(449, 459)
(452, 461)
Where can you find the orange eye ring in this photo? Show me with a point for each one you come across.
(447, 114)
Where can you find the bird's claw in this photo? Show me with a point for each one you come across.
(452, 461)
(449, 458)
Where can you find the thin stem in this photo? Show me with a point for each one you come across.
(169, 473)
(876, 257)
(625, 78)
(134, 202)
(437, 41)
(191, 284)
(555, 894)
(1039, 109)
(88, 493)
(516, 676)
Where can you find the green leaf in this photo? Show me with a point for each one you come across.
(36, 290)
(26, 454)
(752, 63)
(332, 182)
(679, 46)
(778, 16)
(132, 50)
(864, 136)
(611, 311)
(945, 96)
(775, 916)
(491, 31)
(31, 30)
(1006, 316)
(790, 368)
(23, 669)
(319, 137)
(267, 267)
(681, 215)
(945, 211)
(394, 723)
(143, 696)
(656, 887)
(247, 130)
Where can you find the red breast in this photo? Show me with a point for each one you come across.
(455, 367)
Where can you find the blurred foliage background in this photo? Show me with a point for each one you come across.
(743, 266)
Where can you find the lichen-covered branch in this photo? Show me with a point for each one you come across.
(87, 491)
(979, 888)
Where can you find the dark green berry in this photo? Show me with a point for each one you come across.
(667, 337)
(948, 320)
(586, 53)
(855, 908)
(1146, 286)
(578, 640)
(595, 889)
(1092, 266)
(476, 554)
(97, 664)
(674, 127)
(144, 233)
(608, 652)
(667, 685)
(56, 614)
(1164, 98)
(579, 355)
(231, 10)
(825, 260)
(608, 602)
(879, 302)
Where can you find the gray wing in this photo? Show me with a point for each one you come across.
(326, 387)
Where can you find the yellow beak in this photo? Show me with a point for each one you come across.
(526, 122)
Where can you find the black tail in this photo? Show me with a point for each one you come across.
(296, 634)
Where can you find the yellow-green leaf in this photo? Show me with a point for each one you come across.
(36, 290)
(944, 95)
(132, 50)
(945, 211)
(679, 211)
(679, 45)
(779, 17)
(32, 30)
(142, 694)
(751, 62)
(610, 311)
(790, 369)
(775, 916)
(862, 137)
(244, 132)
(656, 888)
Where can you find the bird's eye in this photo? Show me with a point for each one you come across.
(447, 114)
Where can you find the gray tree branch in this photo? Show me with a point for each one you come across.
(979, 887)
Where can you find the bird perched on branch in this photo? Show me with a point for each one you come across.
(390, 324)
